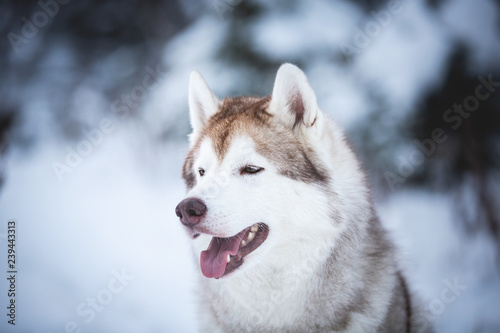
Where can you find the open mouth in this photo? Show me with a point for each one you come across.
(224, 255)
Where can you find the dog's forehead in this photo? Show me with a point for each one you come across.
(236, 122)
(241, 149)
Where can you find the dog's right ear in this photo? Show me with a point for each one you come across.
(202, 103)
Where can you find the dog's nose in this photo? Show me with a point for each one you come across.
(190, 211)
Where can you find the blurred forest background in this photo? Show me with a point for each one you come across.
(94, 119)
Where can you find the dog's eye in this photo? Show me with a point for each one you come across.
(251, 169)
(201, 171)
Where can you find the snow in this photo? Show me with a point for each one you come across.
(314, 28)
(435, 252)
(106, 215)
(166, 104)
(477, 27)
(389, 62)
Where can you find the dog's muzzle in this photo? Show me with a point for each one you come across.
(224, 254)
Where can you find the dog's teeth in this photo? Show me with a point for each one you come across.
(250, 236)
(228, 258)
(243, 242)
(254, 228)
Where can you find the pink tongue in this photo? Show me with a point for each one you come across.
(213, 260)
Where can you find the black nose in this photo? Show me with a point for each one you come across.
(190, 211)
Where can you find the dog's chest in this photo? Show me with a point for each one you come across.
(249, 305)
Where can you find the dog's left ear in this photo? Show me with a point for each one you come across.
(202, 103)
(293, 101)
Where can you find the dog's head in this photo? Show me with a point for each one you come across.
(255, 173)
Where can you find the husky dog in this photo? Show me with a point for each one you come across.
(281, 219)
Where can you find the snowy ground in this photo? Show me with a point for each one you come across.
(107, 216)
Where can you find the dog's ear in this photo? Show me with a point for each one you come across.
(202, 103)
(293, 101)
